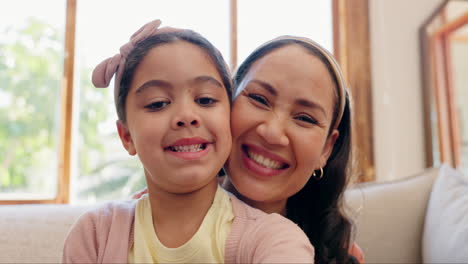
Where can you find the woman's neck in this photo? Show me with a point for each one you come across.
(177, 217)
(266, 206)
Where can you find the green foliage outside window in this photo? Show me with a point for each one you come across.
(31, 69)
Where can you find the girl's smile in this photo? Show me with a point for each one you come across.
(189, 148)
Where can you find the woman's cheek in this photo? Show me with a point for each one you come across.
(239, 116)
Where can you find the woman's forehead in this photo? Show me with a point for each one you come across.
(290, 64)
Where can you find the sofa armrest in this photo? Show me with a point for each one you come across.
(389, 217)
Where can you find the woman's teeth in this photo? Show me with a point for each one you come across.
(188, 148)
(264, 161)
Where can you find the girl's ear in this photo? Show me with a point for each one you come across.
(328, 148)
(126, 137)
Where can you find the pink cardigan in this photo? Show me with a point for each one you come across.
(105, 235)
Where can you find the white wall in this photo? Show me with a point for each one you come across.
(396, 81)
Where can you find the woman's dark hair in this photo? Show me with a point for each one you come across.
(143, 47)
(318, 207)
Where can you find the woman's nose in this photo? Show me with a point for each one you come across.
(273, 131)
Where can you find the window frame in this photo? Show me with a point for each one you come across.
(352, 50)
(354, 47)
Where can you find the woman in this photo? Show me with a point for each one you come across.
(291, 129)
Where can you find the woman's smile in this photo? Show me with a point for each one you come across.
(262, 161)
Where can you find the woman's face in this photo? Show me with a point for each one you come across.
(280, 122)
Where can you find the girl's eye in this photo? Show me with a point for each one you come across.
(205, 101)
(258, 98)
(157, 106)
(307, 119)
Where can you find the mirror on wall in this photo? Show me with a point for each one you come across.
(444, 53)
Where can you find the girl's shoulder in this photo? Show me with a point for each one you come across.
(90, 233)
(107, 212)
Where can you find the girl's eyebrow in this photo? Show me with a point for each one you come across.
(153, 83)
(206, 78)
(168, 85)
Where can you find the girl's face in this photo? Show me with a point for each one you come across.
(280, 123)
(177, 118)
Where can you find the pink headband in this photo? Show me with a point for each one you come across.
(104, 71)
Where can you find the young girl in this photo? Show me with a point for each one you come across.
(172, 94)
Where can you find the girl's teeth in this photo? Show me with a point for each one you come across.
(264, 161)
(188, 148)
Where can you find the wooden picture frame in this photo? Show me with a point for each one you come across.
(441, 119)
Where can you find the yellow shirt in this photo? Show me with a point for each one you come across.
(206, 246)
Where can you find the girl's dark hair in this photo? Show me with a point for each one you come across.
(143, 47)
(318, 207)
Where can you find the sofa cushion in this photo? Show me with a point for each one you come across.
(445, 237)
(389, 217)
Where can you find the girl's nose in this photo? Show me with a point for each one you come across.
(194, 122)
(184, 118)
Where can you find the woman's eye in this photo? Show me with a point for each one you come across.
(156, 106)
(258, 98)
(306, 119)
(205, 101)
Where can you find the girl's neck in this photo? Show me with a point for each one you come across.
(177, 217)
(266, 206)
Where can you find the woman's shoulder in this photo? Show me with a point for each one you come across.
(268, 237)
(357, 252)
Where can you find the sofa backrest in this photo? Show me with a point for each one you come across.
(35, 233)
(389, 217)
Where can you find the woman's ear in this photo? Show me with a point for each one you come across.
(126, 137)
(328, 148)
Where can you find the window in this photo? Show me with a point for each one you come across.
(31, 69)
(262, 20)
(102, 169)
(59, 134)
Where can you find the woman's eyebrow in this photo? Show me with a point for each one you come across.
(310, 104)
(153, 83)
(266, 86)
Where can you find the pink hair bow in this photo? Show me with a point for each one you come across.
(105, 70)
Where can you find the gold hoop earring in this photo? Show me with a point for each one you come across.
(318, 177)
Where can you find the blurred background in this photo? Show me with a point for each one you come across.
(406, 63)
